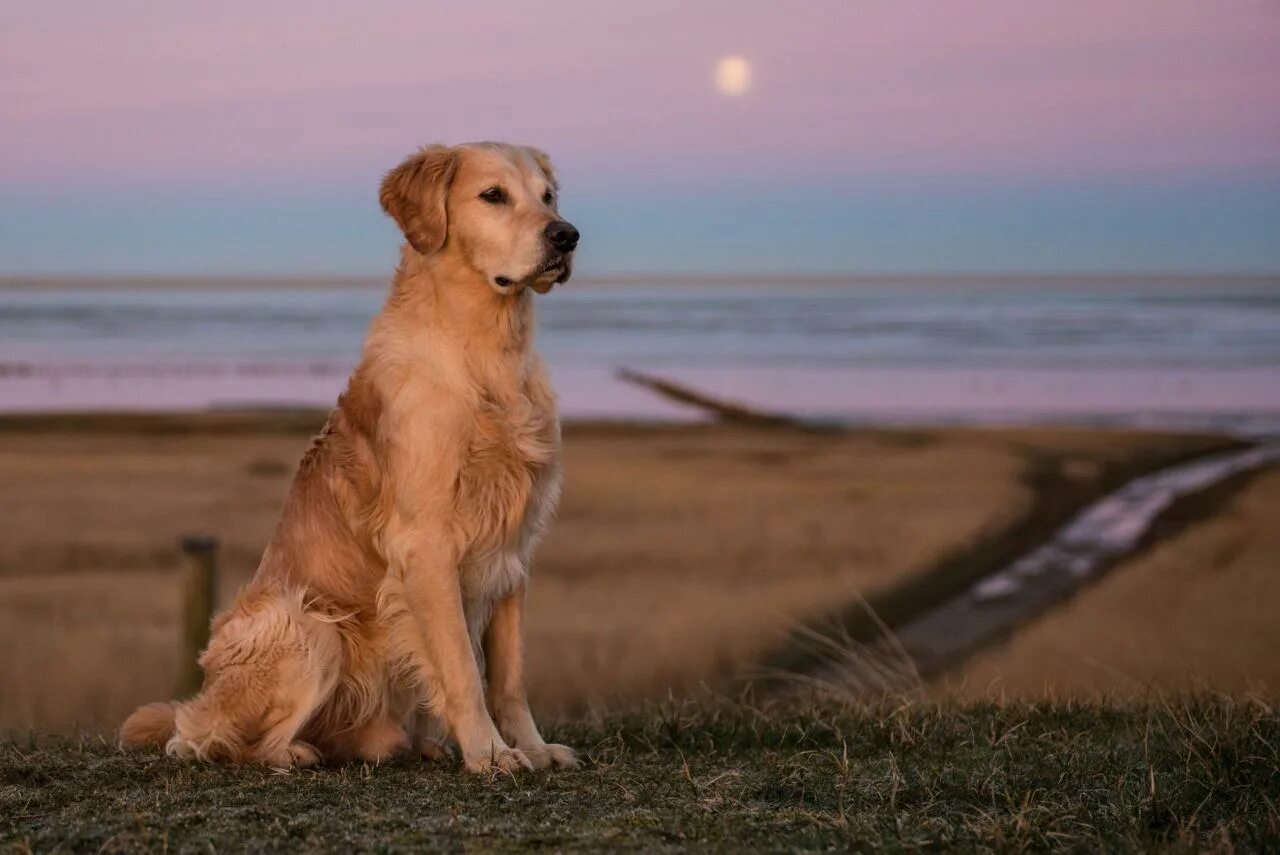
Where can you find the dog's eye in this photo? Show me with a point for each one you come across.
(548, 198)
(494, 196)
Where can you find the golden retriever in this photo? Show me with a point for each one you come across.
(396, 575)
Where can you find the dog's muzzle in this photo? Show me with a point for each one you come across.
(562, 236)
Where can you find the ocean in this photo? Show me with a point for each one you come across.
(1187, 353)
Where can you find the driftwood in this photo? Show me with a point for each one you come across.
(725, 411)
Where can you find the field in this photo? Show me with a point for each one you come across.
(1193, 775)
(1196, 610)
(681, 555)
(683, 558)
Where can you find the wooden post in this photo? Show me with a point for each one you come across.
(199, 578)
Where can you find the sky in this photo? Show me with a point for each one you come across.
(144, 136)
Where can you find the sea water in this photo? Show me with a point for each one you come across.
(1182, 352)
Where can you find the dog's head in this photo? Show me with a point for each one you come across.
(492, 205)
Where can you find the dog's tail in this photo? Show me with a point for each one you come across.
(151, 724)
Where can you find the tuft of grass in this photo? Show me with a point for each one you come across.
(1195, 773)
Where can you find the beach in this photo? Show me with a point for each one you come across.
(682, 555)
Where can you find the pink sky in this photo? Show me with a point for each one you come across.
(127, 91)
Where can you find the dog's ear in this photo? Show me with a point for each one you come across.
(413, 194)
(544, 163)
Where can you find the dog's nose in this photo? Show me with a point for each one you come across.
(563, 236)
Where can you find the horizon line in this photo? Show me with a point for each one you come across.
(28, 281)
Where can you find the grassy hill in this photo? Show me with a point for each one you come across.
(1197, 773)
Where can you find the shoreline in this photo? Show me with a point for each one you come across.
(1237, 402)
(307, 419)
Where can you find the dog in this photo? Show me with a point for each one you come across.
(386, 611)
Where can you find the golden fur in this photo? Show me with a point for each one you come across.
(396, 574)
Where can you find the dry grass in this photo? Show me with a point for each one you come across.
(684, 554)
(680, 554)
(1198, 611)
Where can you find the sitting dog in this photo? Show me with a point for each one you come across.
(386, 612)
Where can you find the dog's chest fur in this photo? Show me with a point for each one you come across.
(475, 437)
(507, 488)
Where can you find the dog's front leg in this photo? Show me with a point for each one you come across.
(504, 655)
(435, 598)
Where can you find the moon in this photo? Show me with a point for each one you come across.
(733, 76)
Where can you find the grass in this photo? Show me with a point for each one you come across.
(1057, 493)
(1199, 773)
(659, 528)
(1199, 600)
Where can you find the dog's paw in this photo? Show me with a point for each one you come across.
(302, 754)
(381, 740)
(509, 760)
(551, 756)
(181, 749)
(292, 756)
(435, 750)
